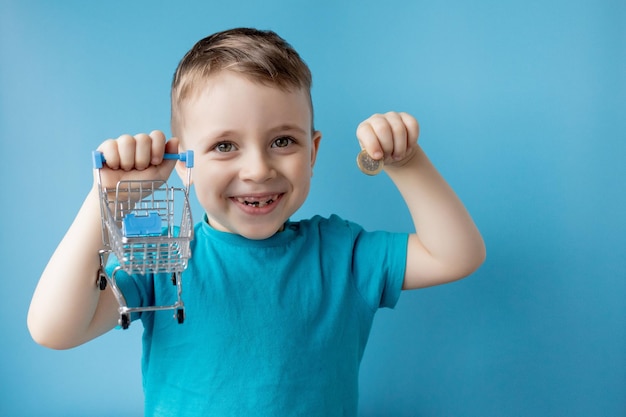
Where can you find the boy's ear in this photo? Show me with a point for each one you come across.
(182, 172)
(315, 144)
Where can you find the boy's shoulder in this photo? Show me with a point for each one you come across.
(318, 221)
(326, 227)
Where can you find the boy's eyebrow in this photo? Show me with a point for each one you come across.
(228, 133)
(221, 134)
(289, 128)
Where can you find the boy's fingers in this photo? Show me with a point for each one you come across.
(110, 153)
(399, 135)
(384, 134)
(166, 166)
(368, 139)
(143, 150)
(126, 145)
(172, 145)
(158, 147)
(412, 127)
(137, 152)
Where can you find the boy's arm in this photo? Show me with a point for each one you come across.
(68, 308)
(447, 245)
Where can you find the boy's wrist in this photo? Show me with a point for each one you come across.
(411, 159)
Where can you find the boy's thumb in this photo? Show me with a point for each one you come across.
(172, 145)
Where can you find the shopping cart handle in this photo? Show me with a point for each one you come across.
(186, 157)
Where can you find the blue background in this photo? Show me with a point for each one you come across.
(522, 106)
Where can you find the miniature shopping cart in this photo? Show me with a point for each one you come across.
(147, 225)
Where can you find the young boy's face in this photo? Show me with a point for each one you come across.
(254, 153)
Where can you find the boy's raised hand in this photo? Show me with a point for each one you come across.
(138, 157)
(392, 136)
(67, 308)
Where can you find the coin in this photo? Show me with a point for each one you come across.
(367, 164)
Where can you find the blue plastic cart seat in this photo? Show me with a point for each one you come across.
(139, 225)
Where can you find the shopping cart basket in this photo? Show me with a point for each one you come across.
(147, 225)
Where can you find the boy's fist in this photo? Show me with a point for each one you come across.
(391, 136)
(138, 157)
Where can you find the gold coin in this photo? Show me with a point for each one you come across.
(367, 164)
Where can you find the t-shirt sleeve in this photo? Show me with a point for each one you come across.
(379, 266)
(377, 260)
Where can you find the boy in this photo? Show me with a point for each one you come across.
(278, 312)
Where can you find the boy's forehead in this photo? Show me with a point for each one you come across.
(226, 89)
(230, 79)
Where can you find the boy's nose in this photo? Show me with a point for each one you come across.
(256, 167)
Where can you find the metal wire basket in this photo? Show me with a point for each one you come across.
(148, 226)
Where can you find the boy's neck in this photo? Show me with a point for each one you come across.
(208, 221)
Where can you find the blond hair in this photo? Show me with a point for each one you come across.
(261, 56)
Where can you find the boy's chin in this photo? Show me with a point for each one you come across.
(261, 234)
(251, 232)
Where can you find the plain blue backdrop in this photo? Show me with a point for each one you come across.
(522, 106)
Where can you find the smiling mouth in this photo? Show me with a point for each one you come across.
(258, 202)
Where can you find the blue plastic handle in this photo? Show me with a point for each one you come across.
(186, 157)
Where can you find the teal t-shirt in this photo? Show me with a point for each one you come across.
(273, 327)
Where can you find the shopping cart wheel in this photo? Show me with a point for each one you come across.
(180, 315)
(102, 281)
(124, 321)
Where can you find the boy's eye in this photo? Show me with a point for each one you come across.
(224, 147)
(282, 142)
